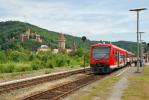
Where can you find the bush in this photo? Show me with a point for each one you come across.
(31, 61)
(68, 62)
(7, 68)
(44, 58)
(36, 65)
(18, 56)
(31, 57)
(2, 57)
(22, 69)
(60, 61)
(49, 64)
(79, 53)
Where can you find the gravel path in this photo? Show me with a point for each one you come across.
(118, 88)
(122, 84)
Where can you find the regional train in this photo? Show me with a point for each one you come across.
(104, 58)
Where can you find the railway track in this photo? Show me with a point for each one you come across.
(63, 90)
(22, 83)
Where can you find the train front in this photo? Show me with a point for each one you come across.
(100, 58)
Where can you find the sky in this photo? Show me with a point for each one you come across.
(96, 19)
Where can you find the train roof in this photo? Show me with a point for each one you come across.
(100, 44)
(111, 45)
(114, 46)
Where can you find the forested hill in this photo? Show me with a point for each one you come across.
(11, 31)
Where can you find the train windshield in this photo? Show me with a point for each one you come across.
(101, 52)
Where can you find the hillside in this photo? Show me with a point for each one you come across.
(11, 31)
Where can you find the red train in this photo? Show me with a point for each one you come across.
(106, 57)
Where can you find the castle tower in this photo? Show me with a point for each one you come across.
(61, 40)
(28, 32)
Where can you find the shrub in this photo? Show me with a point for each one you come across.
(2, 57)
(22, 69)
(7, 68)
(31, 57)
(18, 56)
(79, 53)
(36, 65)
(81, 65)
(68, 62)
(44, 58)
(49, 64)
(60, 62)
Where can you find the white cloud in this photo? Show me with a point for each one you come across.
(90, 18)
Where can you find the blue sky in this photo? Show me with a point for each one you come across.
(96, 19)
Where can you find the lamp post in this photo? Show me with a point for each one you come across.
(138, 10)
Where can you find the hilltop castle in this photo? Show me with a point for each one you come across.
(36, 37)
(30, 35)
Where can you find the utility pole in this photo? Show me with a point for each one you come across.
(141, 49)
(147, 57)
(138, 10)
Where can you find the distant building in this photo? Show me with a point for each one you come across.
(30, 35)
(61, 45)
(61, 42)
(146, 56)
(43, 48)
(55, 51)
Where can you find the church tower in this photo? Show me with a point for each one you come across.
(61, 42)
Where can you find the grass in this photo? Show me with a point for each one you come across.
(138, 87)
(100, 90)
(14, 75)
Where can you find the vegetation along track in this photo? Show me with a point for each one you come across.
(63, 90)
(22, 83)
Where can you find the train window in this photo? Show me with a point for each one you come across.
(101, 52)
(121, 58)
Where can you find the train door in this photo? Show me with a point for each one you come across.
(125, 59)
(118, 59)
(115, 57)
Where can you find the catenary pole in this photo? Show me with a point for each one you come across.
(138, 51)
(141, 48)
